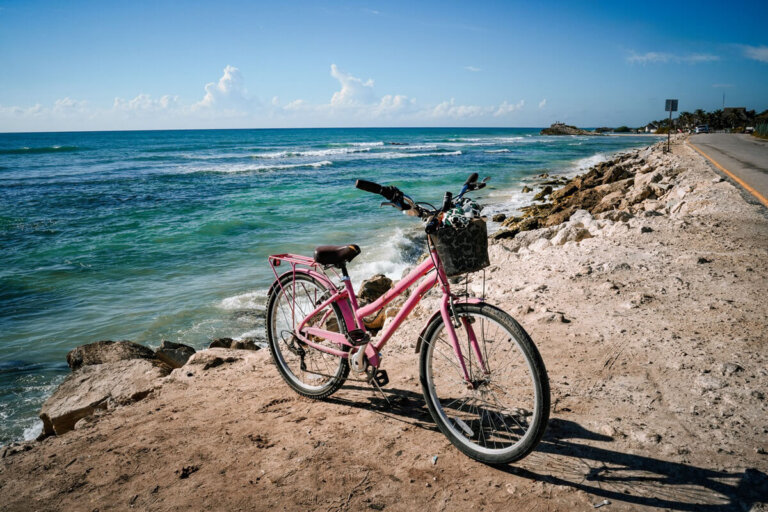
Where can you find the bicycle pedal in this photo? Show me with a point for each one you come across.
(380, 378)
(358, 337)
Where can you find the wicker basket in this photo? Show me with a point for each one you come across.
(462, 250)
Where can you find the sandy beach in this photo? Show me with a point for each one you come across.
(650, 316)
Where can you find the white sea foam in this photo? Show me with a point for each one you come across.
(497, 150)
(249, 300)
(358, 144)
(256, 168)
(386, 156)
(586, 163)
(313, 152)
(390, 254)
(32, 431)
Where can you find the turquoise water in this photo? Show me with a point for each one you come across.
(164, 234)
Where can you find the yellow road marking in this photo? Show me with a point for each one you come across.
(735, 178)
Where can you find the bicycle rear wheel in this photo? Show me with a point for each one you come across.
(501, 416)
(310, 372)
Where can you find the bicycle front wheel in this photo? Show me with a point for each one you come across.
(501, 414)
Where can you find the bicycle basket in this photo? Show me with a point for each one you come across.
(462, 250)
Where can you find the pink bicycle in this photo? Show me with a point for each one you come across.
(483, 379)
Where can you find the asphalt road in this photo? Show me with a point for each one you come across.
(744, 156)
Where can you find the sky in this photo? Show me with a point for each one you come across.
(108, 65)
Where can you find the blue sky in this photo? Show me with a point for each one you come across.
(102, 65)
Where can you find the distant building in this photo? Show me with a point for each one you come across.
(651, 128)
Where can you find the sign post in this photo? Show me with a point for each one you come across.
(670, 106)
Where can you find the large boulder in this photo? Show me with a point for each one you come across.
(173, 354)
(102, 352)
(99, 386)
(373, 288)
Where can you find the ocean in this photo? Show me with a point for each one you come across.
(154, 235)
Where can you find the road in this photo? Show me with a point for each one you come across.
(745, 157)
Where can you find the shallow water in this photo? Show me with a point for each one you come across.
(164, 234)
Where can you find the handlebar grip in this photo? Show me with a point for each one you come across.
(447, 202)
(472, 178)
(369, 186)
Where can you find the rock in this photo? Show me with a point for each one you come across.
(554, 219)
(646, 229)
(505, 233)
(499, 217)
(102, 352)
(636, 195)
(702, 260)
(99, 386)
(614, 174)
(708, 383)
(571, 234)
(564, 129)
(544, 193)
(728, 369)
(616, 216)
(564, 192)
(608, 202)
(373, 288)
(526, 189)
(243, 344)
(213, 357)
(173, 354)
(540, 244)
(644, 180)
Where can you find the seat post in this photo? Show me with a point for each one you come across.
(343, 268)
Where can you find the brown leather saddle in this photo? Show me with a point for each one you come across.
(336, 254)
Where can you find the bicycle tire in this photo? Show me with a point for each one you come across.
(461, 426)
(278, 345)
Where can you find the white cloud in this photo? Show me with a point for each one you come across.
(145, 103)
(543, 103)
(227, 104)
(296, 105)
(472, 69)
(354, 92)
(759, 53)
(229, 92)
(505, 108)
(663, 58)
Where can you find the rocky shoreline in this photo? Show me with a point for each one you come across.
(642, 283)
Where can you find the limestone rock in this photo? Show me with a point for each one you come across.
(544, 193)
(99, 386)
(213, 357)
(373, 288)
(526, 189)
(102, 352)
(499, 217)
(642, 180)
(173, 354)
(244, 344)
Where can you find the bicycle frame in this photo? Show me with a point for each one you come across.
(346, 300)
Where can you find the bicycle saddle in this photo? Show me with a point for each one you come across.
(336, 254)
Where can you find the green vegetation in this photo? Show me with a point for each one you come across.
(731, 119)
(622, 129)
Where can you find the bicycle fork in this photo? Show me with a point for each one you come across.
(448, 314)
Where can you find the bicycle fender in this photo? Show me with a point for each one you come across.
(436, 314)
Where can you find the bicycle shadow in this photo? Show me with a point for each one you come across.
(636, 479)
(560, 459)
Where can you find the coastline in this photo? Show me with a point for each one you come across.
(649, 324)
